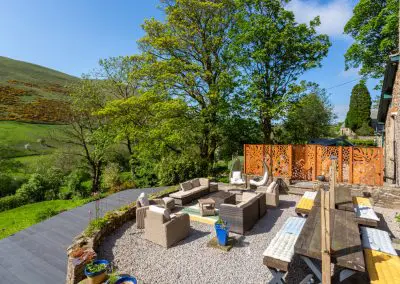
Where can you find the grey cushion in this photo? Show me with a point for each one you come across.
(195, 182)
(186, 186)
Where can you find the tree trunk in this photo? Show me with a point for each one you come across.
(266, 126)
(96, 175)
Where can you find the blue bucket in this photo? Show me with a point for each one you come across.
(100, 261)
(222, 234)
(128, 279)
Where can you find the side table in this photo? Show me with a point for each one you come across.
(207, 207)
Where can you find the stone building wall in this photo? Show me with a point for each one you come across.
(392, 136)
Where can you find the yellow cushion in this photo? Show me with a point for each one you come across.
(361, 201)
(305, 203)
(382, 267)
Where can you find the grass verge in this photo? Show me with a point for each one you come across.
(14, 220)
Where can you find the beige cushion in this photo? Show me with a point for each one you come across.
(186, 186)
(143, 200)
(181, 194)
(195, 182)
(248, 196)
(162, 211)
(236, 175)
(271, 187)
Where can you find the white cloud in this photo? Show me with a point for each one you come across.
(341, 111)
(333, 15)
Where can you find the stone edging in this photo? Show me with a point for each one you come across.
(83, 248)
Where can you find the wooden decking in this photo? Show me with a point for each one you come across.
(38, 253)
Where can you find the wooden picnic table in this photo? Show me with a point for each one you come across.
(345, 239)
(343, 199)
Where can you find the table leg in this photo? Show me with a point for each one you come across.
(313, 267)
(277, 276)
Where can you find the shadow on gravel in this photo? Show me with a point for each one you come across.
(193, 235)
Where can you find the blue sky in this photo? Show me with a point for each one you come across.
(71, 36)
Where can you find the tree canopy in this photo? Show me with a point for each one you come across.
(311, 117)
(359, 112)
(375, 29)
(274, 50)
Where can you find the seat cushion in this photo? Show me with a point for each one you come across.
(186, 186)
(236, 175)
(195, 183)
(247, 196)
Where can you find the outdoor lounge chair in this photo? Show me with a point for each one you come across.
(271, 194)
(264, 180)
(191, 190)
(163, 229)
(236, 177)
(143, 203)
(242, 216)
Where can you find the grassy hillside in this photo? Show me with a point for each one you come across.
(19, 139)
(32, 93)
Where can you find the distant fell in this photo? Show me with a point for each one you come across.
(33, 93)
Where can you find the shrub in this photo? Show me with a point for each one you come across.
(34, 189)
(74, 183)
(173, 169)
(12, 201)
(111, 178)
(365, 130)
(9, 185)
(359, 142)
(45, 214)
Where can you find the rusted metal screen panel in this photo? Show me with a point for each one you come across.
(359, 165)
(254, 155)
(367, 166)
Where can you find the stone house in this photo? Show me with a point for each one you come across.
(388, 114)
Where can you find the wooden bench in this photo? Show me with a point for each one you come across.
(365, 214)
(382, 261)
(280, 251)
(306, 203)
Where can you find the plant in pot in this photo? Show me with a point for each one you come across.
(96, 271)
(222, 230)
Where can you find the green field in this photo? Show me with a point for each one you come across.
(17, 219)
(14, 136)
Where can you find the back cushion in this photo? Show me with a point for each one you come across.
(186, 186)
(271, 187)
(162, 211)
(195, 182)
(143, 200)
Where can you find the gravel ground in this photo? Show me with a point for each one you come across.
(191, 261)
(387, 221)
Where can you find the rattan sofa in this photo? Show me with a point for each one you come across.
(271, 194)
(191, 190)
(166, 231)
(242, 216)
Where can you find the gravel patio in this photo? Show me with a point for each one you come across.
(191, 261)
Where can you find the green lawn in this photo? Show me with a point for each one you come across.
(17, 219)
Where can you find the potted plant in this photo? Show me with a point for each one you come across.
(126, 280)
(96, 271)
(222, 230)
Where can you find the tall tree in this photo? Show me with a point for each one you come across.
(311, 117)
(87, 132)
(274, 51)
(190, 57)
(375, 28)
(360, 107)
